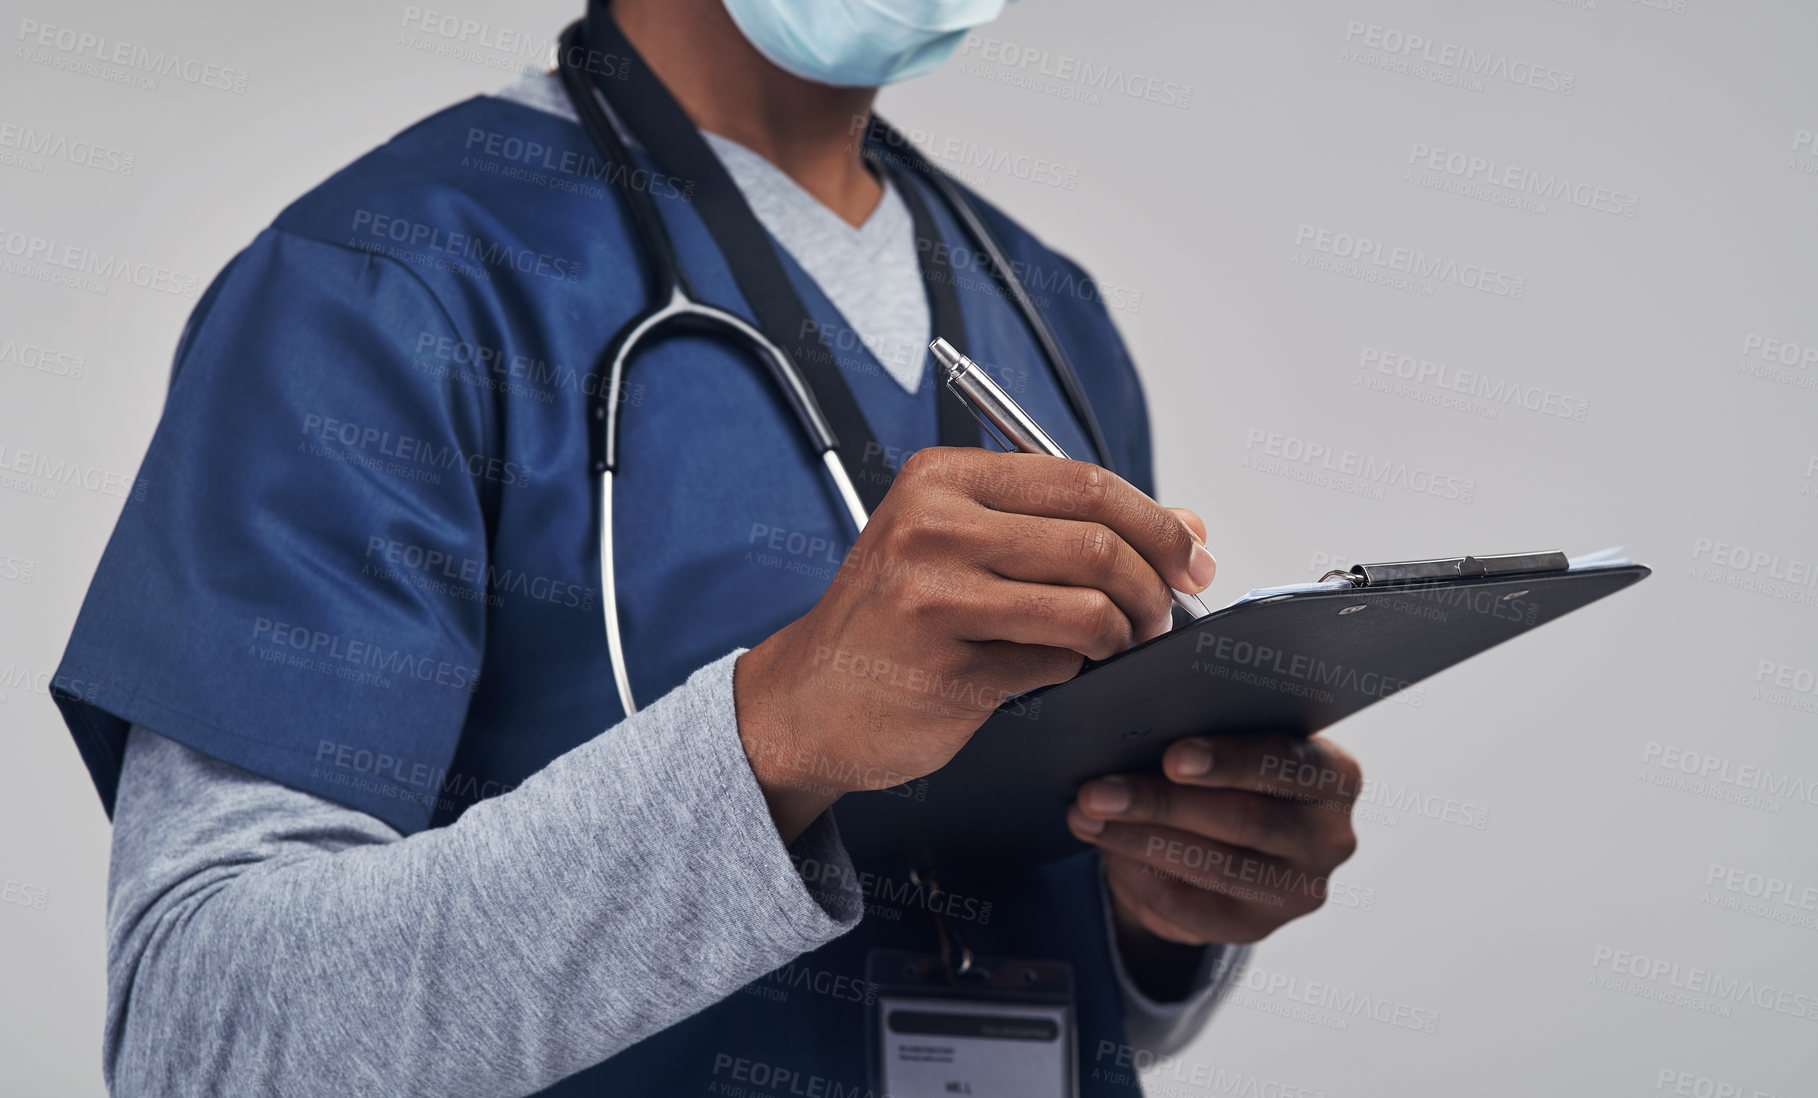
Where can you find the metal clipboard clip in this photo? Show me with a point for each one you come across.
(1448, 568)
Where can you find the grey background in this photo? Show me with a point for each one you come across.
(1191, 215)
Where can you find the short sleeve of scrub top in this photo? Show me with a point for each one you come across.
(249, 603)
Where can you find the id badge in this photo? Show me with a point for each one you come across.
(1005, 1029)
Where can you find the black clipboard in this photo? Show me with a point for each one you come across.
(1295, 662)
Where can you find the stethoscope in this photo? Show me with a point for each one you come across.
(676, 307)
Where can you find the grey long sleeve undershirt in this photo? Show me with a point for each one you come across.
(262, 940)
(265, 941)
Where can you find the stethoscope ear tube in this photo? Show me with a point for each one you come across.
(681, 313)
(585, 96)
(609, 601)
(1032, 317)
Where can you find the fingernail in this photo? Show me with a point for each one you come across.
(1192, 759)
(1087, 824)
(1201, 568)
(1106, 795)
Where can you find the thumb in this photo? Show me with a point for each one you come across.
(1193, 521)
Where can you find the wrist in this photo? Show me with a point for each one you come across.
(1162, 969)
(782, 764)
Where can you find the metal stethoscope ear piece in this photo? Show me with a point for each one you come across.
(677, 309)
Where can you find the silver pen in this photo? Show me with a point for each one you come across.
(968, 381)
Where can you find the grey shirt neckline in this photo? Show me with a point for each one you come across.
(870, 272)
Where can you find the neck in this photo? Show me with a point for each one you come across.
(812, 132)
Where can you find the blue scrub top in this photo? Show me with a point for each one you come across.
(366, 560)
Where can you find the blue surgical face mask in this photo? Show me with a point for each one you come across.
(859, 43)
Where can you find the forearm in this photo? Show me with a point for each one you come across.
(266, 941)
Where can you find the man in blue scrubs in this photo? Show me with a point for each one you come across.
(381, 825)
